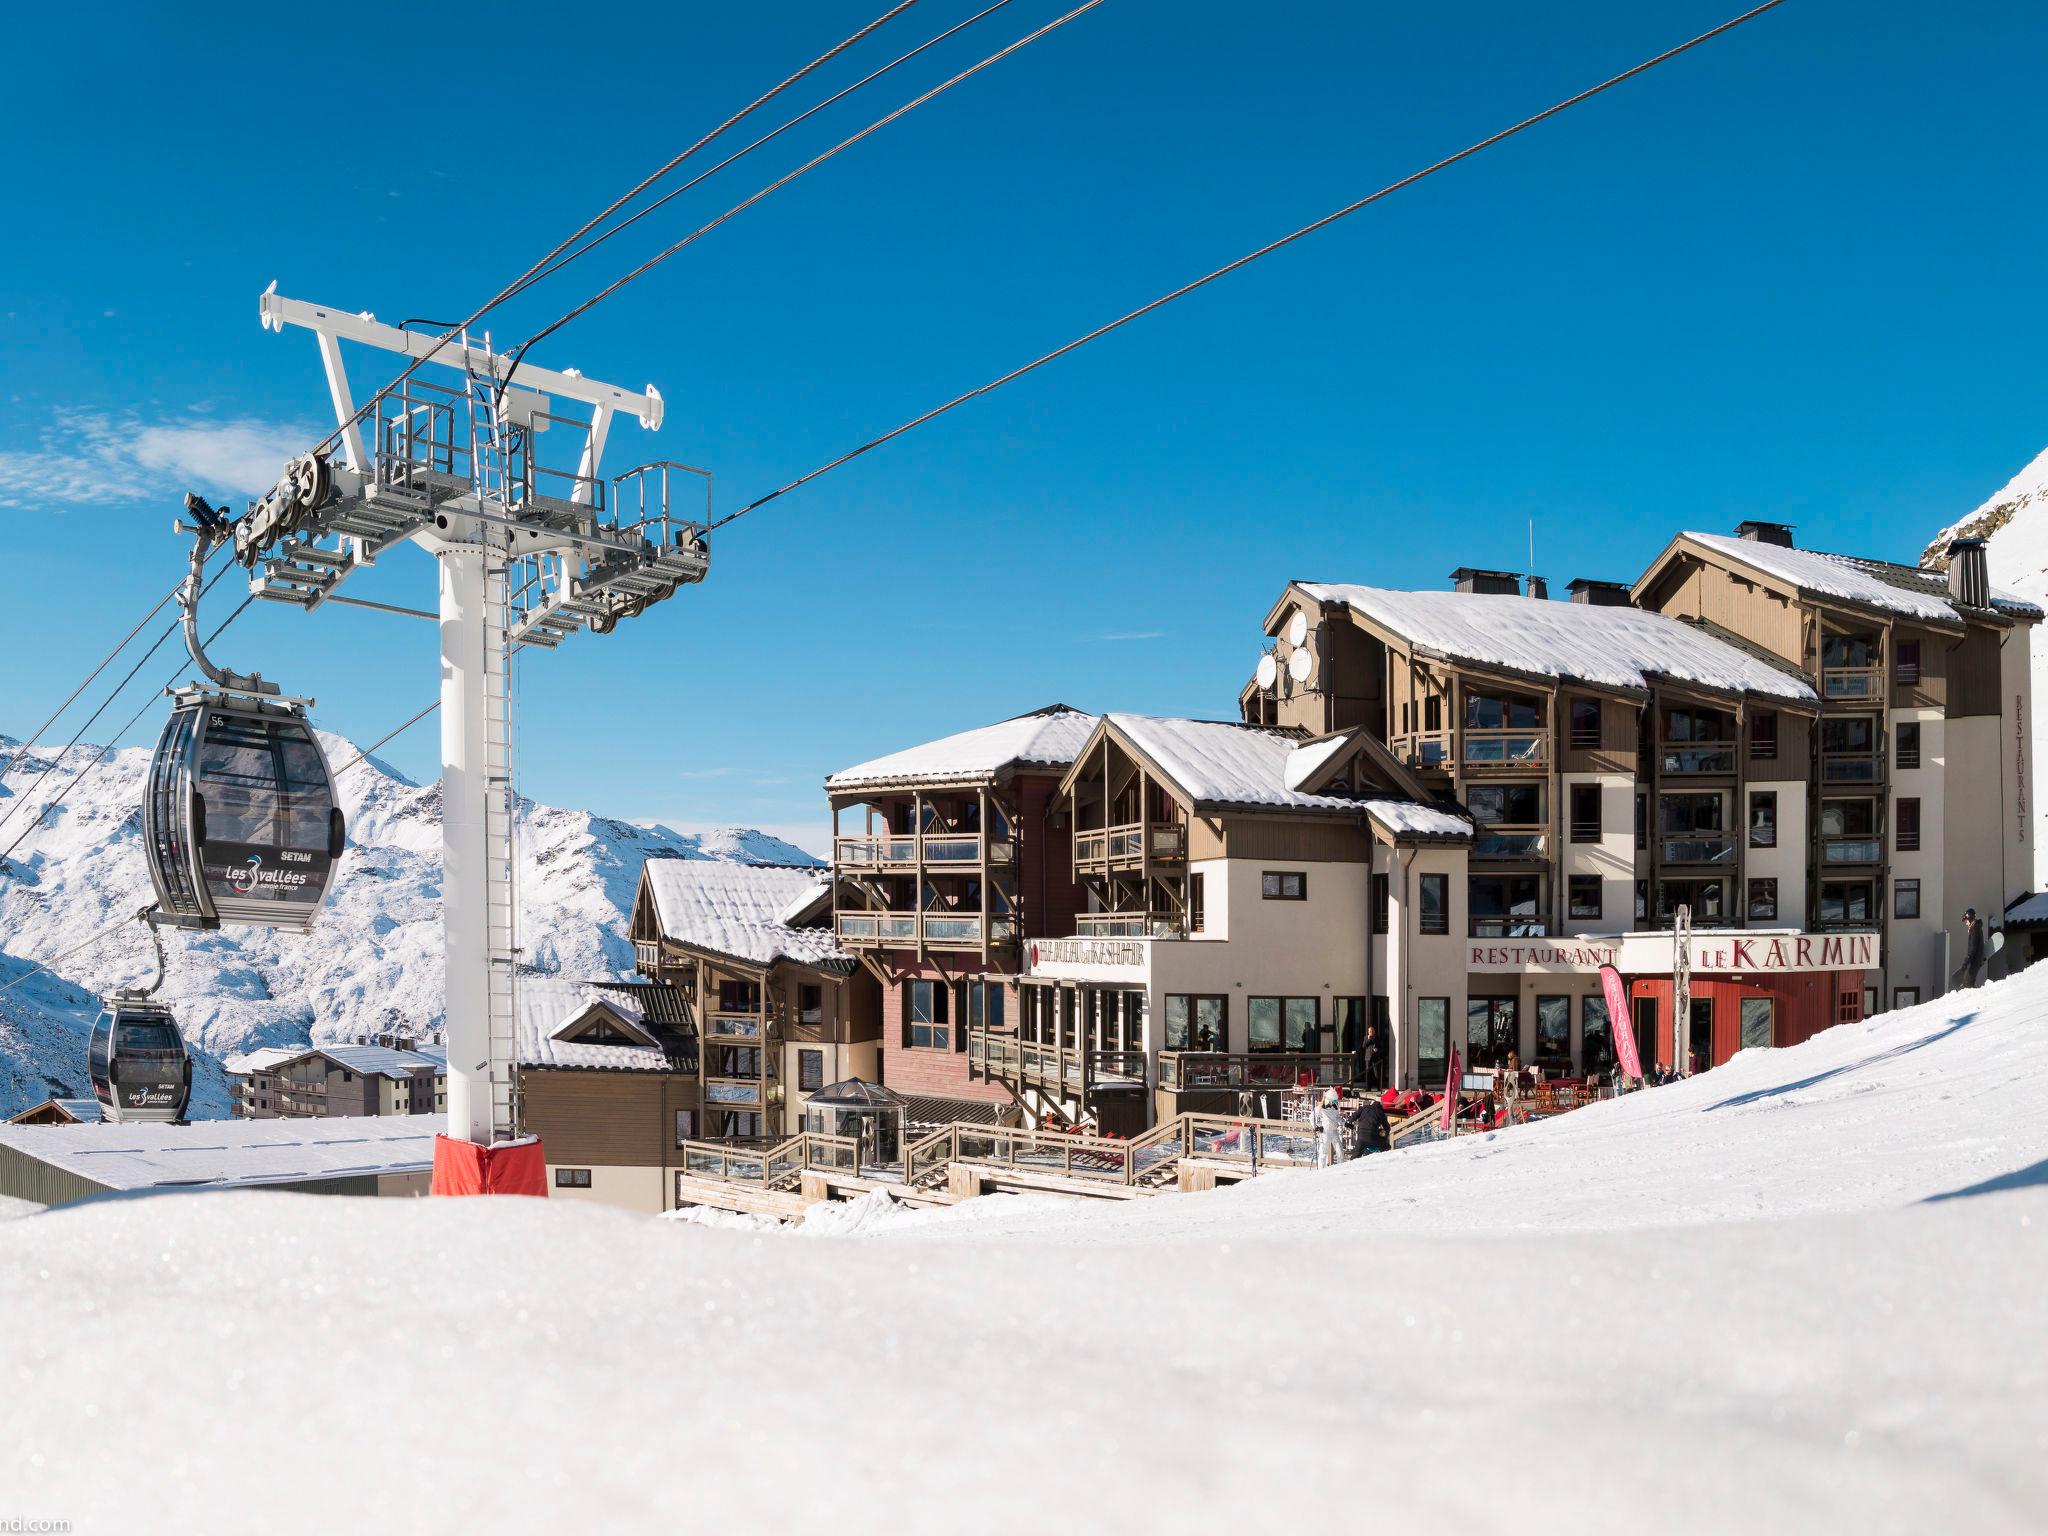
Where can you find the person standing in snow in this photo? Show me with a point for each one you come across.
(1971, 972)
(1329, 1131)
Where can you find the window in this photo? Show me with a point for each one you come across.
(1283, 885)
(1347, 1024)
(1908, 753)
(1870, 1005)
(1512, 805)
(1907, 663)
(1646, 1032)
(1585, 896)
(982, 1002)
(1585, 813)
(572, 1178)
(1596, 1037)
(1763, 901)
(1379, 903)
(1433, 897)
(1906, 997)
(1493, 1027)
(1507, 906)
(1906, 825)
(738, 996)
(1285, 1023)
(1586, 724)
(1196, 1023)
(1642, 900)
(1433, 1031)
(1845, 901)
(1847, 650)
(1697, 740)
(348, 1077)
(1498, 712)
(810, 1003)
(1554, 1030)
(1905, 898)
(741, 1123)
(1849, 1008)
(925, 1022)
(686, 1126)
(1705, 897)
(735, 1061)
(1197, 899)
(1763, 735)
(1756, 1023)
(1433, 712)
(810, 1071)
(1763, 818)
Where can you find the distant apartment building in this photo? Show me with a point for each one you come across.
(950, 867)
(324, 1081)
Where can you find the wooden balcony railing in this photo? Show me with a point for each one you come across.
(939, 849)
(906, 930)
(1181, 1070)
(1423, 749)
(1072, 1071)
(1126, 845)
(647, 956)
(1127, 925)
(1498, 747)
(1852, 683)
(1109, 1160)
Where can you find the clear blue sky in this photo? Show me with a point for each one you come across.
(1795, 274)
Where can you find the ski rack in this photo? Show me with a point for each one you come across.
(413, 457)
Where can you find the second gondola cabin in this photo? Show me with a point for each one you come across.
(140, 1068)
(239, 817)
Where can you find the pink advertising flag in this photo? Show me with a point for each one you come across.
(1619, 1025)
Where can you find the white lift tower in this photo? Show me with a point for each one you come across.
(528, 555)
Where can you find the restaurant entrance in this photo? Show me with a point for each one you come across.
(1493, 1028)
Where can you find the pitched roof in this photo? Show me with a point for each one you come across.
(740, 910)
(1219, 764)
(264, 1058)
(1607, 647)
(1045, 738)
(545, 1003)
(1880, 584)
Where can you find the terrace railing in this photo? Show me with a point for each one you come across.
(901, 850)
(1069, 1070)
(1505, 747)
(1853, 683)
(1126, 844)
(1182, 1070)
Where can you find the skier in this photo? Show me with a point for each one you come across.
(1329, 1131)
(1375, 1133)
(1971, 972)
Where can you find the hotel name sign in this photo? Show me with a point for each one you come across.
(1107, 952)
(1727, 953)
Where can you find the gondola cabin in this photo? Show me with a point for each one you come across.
(140, 1068)
(239, 817)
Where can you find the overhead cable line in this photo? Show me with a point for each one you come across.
(868, 79)
(881, 122)
(1246, 260)
(95, 672)
(86, 943)
(387, 736)
(100, 756)
(759, 101)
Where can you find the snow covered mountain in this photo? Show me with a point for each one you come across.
(2014, 522)
(374, 960)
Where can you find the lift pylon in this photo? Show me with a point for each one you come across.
(530, 550)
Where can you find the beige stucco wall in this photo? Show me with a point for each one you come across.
(1785, 863)
(1612, 858)
(1914, 953)
(631, 1189)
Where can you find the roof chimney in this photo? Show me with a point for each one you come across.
(1765, 533)
(1969, 578)
(1599, 594)
(1539, 588)
(1500, 583)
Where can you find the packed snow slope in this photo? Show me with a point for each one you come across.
(372, 962)
(1798, 1294)
(2014, 522)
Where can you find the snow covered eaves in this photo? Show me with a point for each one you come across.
(737, 911)
(1853, 581)
(267, 1059)
(1047, 738)
(549, 1007)
(613, 1006)
(1622, 650)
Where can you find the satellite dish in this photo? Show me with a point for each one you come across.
(1269, 672)
(1301, 663)
(1297, 628)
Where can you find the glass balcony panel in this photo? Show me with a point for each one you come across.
(1516, 747)
(952, 849)
(741, 1028)
(1708, 759)
(1851, 850)
(1507, 845)
(1849, 770)
(1517, 927)
(1710, 848)
(952, 930)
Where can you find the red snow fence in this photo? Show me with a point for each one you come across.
(509, 1168)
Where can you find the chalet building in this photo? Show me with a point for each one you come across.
(950, 867)
(330, 1081)
(605, 1073)
(62, 1112)
(780, 1009)
(1226, 871)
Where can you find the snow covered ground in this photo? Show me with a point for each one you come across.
(373, 962)
(1801, 1293)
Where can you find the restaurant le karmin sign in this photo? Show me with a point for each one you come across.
(1641, 954)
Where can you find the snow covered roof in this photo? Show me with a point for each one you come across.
(1608, 647)
(1304, 760)
(2028, 911)
(546, 1003)
(379, 1060)
(264, 1059)
(739, 910)
(623, 1007)
(1221, 764)
(1880, 584)
(85, 1111)
(230, 1153)
(1045, 738)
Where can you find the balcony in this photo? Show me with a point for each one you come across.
(1849, 768)
(1700, 848)
(1127, 925)
(646, 956)
(1858, 849)
(1125, 846)
(733, 1026)
(1491, 843)
(1535, 925)
(1857, 684)
(1700, 757)
(1068, 1071)
(936, 850)
(1505, 747)
(1181, 1071)
(1423, 749)
(907, 930)
(734, 1090)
